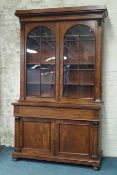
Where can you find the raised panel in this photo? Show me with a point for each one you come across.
(74, 138)
(94, 133)
(36, 135)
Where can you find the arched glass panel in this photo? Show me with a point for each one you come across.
(79, 62)
(40, 59)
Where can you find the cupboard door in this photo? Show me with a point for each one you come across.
(77, 60)
(72, 139)
(76, 139)
(35, 137)
(42, 60)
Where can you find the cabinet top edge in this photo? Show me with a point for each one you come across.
(100, 9)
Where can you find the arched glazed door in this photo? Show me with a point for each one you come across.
(41, 62)
(78, 62)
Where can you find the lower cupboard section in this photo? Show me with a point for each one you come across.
(53, 139)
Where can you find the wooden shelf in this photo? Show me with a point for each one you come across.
(41, 64)
(37, 83)
(85, 35)
(79, 40)
(41, 36)
(82, 64)
(65, 69)
(76, 84)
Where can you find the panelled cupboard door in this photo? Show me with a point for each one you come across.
(76, 139)
(77, 60)
(35, 137)
(41, 74)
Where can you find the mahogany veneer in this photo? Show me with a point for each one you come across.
(57, 117)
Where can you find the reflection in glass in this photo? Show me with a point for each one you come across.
(47, 80)
(41, 62)
(79, 62)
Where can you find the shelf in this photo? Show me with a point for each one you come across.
(40, 64)
(37, 83)
(67, 69)
(91, 35)
(37, 60)
(41, 36)
(79, 64)
(76, 84)
(79, 40)
(33, 83)
(79, 67)
(71, 64)
(40, 68)
(37, 41)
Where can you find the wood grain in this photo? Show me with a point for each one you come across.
(61, 128)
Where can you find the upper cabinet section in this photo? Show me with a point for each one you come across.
(61, 52)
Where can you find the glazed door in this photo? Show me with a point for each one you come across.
(77, 61)
(42, 60)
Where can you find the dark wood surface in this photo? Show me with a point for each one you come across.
(64, 10)
(62, 126)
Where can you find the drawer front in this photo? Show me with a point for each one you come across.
(57, 113)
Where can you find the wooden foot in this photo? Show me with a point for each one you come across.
(96, 168)
(14, 159)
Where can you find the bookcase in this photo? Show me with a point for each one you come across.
(57, 117)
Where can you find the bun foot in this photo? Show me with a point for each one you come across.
(14, 159)
(96, 168)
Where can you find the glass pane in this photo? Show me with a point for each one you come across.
(41, 62)
(47, 80)
(70, 74)
(33, 89)
(79, 62)
(33, 79)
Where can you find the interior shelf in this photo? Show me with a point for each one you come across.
(36, 36)
(76, 84)
(34, 83)
(85, 35)
(80, 64)
(40, 64)
(80, 40)
(65, 69)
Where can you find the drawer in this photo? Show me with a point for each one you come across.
(57, 113)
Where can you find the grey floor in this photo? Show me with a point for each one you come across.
(31, 167)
